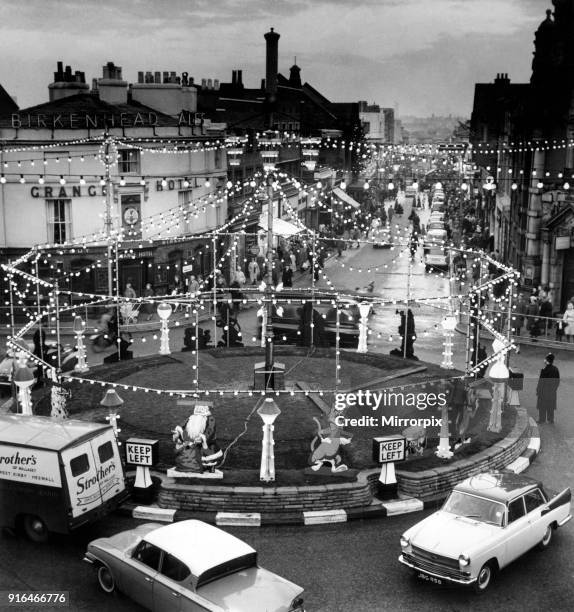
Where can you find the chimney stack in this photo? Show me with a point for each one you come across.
(67, 83)
(272, 61)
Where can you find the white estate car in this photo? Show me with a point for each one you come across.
(189, 566)
(487, 522)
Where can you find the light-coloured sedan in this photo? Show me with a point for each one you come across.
(189, 566)
(487, 522)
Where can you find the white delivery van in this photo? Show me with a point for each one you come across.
(57, 475)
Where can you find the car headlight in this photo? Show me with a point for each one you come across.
(297, 605)
(463, 560)
(405, 542)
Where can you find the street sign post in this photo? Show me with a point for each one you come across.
(387, 450)
(142, 454)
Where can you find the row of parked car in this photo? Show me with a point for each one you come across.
(435, 255)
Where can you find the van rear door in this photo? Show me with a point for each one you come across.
(81, 469)
(105, 449)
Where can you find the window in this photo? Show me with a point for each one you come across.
(105, 452)
(515, 510)
(173, 568)
(533, 500)
(128, 161)
(59, 221)
(79, 465)
(148, 554)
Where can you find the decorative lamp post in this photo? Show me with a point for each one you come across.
(112, 401)
(499, 376)
(164, 313)
(268, 413)
(24, 379)
(448, 326)
(79, 327)
(364, 309)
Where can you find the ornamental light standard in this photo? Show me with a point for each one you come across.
(79, 326)
(24, 379)
(268, 413)
(364, 309)
(164, 312)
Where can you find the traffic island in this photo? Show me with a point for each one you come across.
(299, 431)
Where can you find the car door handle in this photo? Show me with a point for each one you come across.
(147, 579)
(176, 594)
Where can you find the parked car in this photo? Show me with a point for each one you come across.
(435, 225)
(382, 238)
(436, 259)
(286, 328)
(189, 565)
(436, 216)
(487, 522)
(437, 206)
(434, 237)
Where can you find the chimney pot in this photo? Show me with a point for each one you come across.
(234, 77)
(216, 84)
(203, 83)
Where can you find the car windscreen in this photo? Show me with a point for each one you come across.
(473, 507)
(225, 569)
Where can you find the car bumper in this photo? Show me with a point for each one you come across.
(425, 572)
(565, 520)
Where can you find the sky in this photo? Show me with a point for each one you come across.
(422, 56)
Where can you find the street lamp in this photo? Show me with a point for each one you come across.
(24, 379)
(164, 313)
(112, 400)
(499, 376)
(364, 309)
(448, 326)
(268, 413)
(79, 327)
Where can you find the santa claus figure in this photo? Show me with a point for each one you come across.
(195, 443)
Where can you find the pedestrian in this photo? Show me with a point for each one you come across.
(390, 213)
(253, 270)
(194, 287)
(149, 305)
(545, 312)
(568, 321)
(293, 259)
(521, 306)
(240, 277)
(129, 292)
(546, 390)
(533, 323)
(287, 277)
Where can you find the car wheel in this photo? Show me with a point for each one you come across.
(106, 579)
(35, 529)
(545, 542)
(484, 578)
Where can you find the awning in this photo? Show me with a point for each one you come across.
(280, 226)
(346, 198)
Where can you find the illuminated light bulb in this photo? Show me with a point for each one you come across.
(22, 179)
(142, 181)
(514, 186)
(62, 180)
(164, 182)
(41, 180)
(207, 183)
(82, 180)
(2, 179)
(122, 181)
(566, 185)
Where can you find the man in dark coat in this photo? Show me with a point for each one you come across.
(546, 390)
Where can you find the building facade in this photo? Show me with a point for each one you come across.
(523, 137)
(134, 163)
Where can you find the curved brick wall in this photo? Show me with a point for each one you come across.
(423, 485)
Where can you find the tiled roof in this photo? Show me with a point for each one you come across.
(89, 104)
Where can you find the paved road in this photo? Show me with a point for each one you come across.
(349, 567)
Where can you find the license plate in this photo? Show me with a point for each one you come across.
(429, 578)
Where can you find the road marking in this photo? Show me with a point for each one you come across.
(152, 512)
